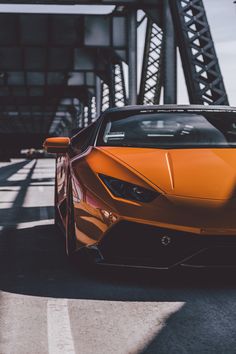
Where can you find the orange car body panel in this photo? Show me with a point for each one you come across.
(196, 186)
(196, 173)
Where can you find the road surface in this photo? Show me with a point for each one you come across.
(50, 306)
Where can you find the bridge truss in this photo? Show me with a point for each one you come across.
(58, 72)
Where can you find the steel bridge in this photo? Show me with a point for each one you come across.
(58, 72)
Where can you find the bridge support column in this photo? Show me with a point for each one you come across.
(170, 59)
(132, 56)
(98, 96)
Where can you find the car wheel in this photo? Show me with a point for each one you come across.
(70, 222)
(57, 219)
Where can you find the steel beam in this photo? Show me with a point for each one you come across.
(132, 56)
(98, 96)
(105, 97)
(82, 2)
(151, 78)
(170, 59)
(118, 90)
(201, 68)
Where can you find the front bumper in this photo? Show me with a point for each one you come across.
(138, 245)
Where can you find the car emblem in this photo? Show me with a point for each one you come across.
(165, 240)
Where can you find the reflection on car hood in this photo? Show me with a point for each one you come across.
(197, 173)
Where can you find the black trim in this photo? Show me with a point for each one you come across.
(135, 244)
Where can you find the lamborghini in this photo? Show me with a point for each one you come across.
(150, 186)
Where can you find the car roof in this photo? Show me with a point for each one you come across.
(172, 108)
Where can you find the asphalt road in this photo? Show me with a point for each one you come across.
(49, 306)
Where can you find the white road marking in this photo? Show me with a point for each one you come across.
(119, 327)
(60, 340)
(29, 224)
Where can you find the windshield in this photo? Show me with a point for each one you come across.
(169, 130)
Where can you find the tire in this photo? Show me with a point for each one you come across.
(70, 222)
(57, 219)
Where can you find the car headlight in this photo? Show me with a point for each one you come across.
(125, 190)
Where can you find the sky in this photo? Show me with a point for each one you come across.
(222, 19)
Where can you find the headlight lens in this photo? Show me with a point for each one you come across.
(127, 190)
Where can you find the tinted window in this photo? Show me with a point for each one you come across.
(81, 140)
(170, 130)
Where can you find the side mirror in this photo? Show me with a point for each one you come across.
(57, 145)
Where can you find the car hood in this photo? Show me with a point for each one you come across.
(196, 173)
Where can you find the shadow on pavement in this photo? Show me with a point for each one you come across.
(10, 169)
(11, 217)
(33, 262)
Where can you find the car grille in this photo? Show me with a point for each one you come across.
(143, 245)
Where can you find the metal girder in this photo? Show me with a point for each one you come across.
(82, 2)
(46, 60)
(43, 60)
(114, 92)
(107, 31)
(98, 96)
(105, 97)
(81, 116)
(201, 68)
(117, 88)
(93, 109)
(151, 79)
(132, 56)
(86, 116)
(89, 111)
(169, 57)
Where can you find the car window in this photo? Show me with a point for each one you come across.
(170, 130)
(82, 139)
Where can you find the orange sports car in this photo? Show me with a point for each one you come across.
(150, 186)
